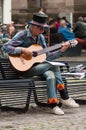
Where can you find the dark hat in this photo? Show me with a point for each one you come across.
(39, 19)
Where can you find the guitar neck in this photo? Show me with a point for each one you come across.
(48, 49)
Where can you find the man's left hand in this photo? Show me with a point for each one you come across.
(65, 46)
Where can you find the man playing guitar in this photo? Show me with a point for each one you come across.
(30, 50)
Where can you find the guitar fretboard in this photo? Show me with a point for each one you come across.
(48, 49)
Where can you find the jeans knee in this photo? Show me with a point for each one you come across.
(49, 75)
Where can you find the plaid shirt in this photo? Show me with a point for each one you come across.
(25, 39)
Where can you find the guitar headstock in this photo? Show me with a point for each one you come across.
(73, 43)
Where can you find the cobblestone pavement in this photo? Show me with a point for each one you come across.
(42, 119)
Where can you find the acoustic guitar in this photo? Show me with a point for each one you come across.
(24, 63)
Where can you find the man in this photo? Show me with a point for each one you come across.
(41, 10)
(33, 35)
(79, 32)
(68, 24)
(80, 29)
(67, 33)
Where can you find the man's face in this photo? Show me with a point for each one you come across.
(38, 30)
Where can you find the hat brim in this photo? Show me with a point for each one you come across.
(38, 24)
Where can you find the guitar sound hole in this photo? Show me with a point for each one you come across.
(35, 53)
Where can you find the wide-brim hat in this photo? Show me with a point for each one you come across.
(39, 19)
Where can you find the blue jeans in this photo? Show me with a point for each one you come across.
(53, 79)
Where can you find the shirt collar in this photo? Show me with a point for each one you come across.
(29, 33)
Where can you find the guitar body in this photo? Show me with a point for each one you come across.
(23, 63)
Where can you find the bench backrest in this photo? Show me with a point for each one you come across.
(6, 70)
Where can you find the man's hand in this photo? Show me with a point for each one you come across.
(65, 46)
(26, 52)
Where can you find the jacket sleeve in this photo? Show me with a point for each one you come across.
(11, 47)
(53, 55)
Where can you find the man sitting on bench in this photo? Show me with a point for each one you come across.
(25, 45)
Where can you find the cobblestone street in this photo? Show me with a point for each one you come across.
(42, 119)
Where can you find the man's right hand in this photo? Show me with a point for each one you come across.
(26, 52)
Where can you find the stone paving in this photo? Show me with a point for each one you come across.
(42, 119)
